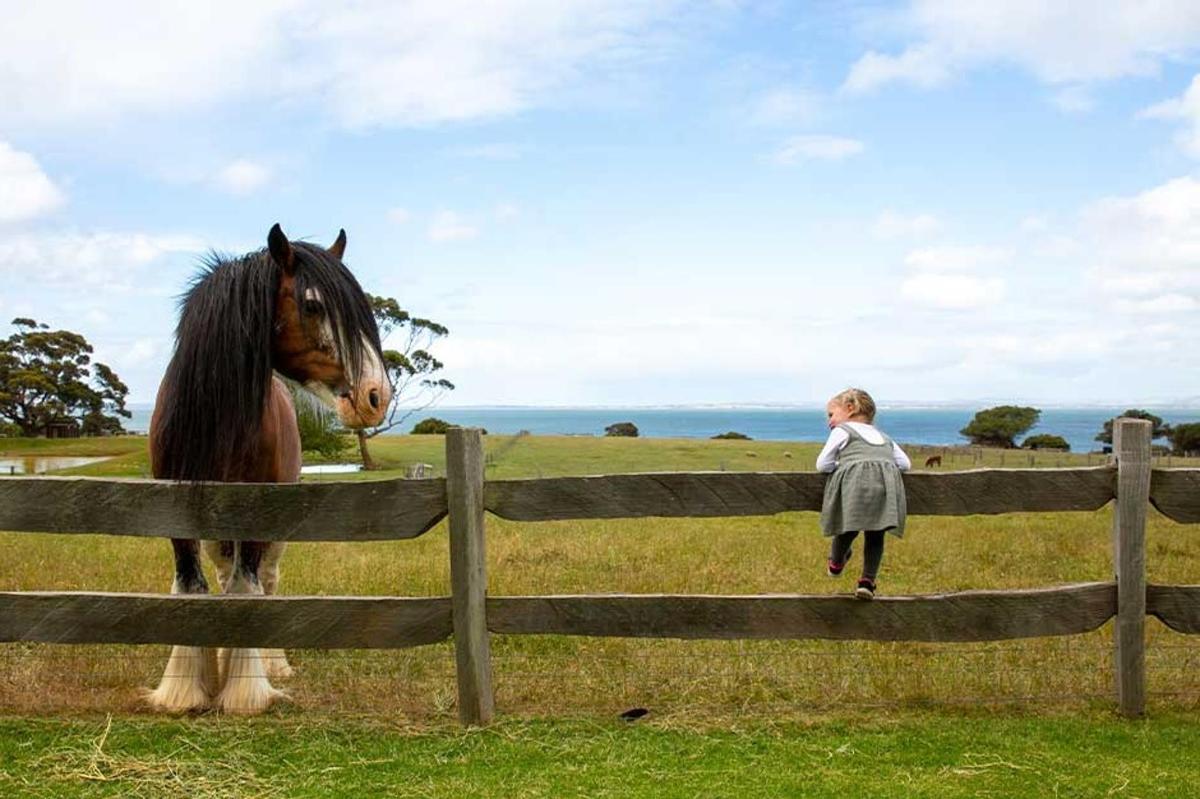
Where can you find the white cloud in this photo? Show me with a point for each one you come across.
(957, 292)
(398, 215)
(506, 211)
(1064, 43)
(894, 225)
(449, 226)
(25, 191)
(141, 352)
(1164, 304)
(1145, 248)
(816, 147)
(370, 63)
(1073, 100)
(242, 177)
(955, 258)
(1185, 108)
(109, 260)
(783, 106)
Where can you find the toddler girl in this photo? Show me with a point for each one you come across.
(865, 491)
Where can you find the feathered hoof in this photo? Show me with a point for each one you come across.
(247, 690)
(276, 664)
(188, 682)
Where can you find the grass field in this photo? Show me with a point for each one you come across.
(716, 707)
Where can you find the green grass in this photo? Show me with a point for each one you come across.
(727, 717)
(915, 755)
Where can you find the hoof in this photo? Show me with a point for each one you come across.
(170, 697)
(247, 690)
(276, 664)
(188, 683)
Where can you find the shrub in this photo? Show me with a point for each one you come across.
(431, 426)
(997, 427)
(1046, 441)
(9, 430)
(628, 429)
(733, 435)
(1185, 438)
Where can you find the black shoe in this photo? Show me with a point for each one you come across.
(835, 569)
(866, 589)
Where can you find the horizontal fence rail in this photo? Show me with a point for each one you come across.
(675, 494)
(79, 617)
(1177, 606)
(1174, 492)
(966, 616)
(369, 510)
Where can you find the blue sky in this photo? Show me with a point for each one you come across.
(654, 202)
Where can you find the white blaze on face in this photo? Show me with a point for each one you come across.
(355, 408)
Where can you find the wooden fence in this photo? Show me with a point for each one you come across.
(398, 509)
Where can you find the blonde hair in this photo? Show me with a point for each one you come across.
(858, 401)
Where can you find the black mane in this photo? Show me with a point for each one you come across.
(215, 390)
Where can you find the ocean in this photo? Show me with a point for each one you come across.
(927, 426)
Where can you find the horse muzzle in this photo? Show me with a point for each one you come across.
(364, 405)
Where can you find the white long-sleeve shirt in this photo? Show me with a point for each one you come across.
(827, 460)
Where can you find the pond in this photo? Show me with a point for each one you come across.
(42, 464)
(331, 468)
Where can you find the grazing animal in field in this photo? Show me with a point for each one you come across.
(933, 460)
(222, 414)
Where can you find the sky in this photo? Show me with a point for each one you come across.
(620, 202)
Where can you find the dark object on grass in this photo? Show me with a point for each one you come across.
(933, 460)
(734, 435)
(634, 713)
(627, 429)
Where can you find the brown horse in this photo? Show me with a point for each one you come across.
(222, 414)
(933, 460)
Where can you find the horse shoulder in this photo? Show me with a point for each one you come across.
(281, 422)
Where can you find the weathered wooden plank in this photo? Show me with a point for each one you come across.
(468, 575)
(966, 616)
(1131, 446)
(350, 511)
(988, 491)
(762, 493)
(1177, 606)
(205, 620)
(1176, 494)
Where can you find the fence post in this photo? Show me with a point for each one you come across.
(468, 574)
(1131, 447)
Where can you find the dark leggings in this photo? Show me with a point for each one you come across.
(872, 555)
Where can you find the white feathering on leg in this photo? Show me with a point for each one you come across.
(276, 662)
(247, 689)
(189, 681)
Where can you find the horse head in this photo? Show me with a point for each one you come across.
(325, 335)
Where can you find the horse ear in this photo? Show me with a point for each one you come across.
(281, 249)
(338, 249)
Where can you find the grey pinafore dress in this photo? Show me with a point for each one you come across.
(866, 491)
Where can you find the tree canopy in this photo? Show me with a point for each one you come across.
(1185, 438)
(47, 376)
(1159, 429)
(999, 426)
(411, 368)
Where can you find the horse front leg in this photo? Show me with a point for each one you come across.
(190, 679)
(275, 659)
(246, 689)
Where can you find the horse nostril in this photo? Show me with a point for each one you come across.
(373, 398)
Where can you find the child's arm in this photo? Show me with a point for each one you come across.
(901, 458)
(827, 460)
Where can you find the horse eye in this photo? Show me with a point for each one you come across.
(313, 308)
